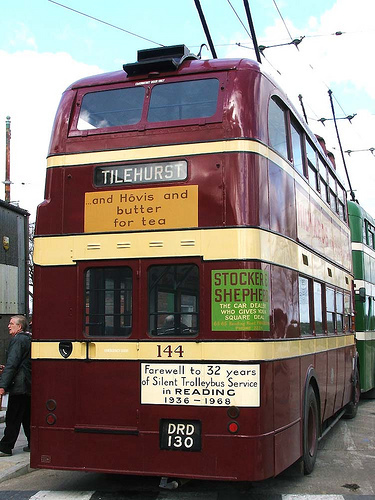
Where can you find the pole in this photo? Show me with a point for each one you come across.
(7, 159)
(352, 195)
(252, 30)
(303, 108)
(205, 27)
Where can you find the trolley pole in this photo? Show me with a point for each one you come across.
(205, 28)
(252, 30)
(7, 159)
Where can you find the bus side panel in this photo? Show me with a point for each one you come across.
(49, 219)
(341, 377)
(366, 351)
(331, 383)
(287, 413)
(322, 374)
(287, 447)
(287, 389)
(350, 354)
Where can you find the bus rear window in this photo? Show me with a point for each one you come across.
(173, 300)
(111, 108)
(108, 301)
(183, 100)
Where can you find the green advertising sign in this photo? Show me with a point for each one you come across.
(240, 300)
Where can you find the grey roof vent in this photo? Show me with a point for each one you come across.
(159, 60)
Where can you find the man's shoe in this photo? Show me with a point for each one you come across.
(4, 454)
(26, 448)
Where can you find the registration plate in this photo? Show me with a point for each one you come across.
(180, 435)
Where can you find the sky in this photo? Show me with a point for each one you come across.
(44, 47)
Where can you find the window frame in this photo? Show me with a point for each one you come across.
(322, 308)
(331, 311)
(143, 124)
(312, 167)
(180, 82)
(299, 131)
(370, 235)
(284, 110)
(325, 183)
(339, 298)
(348, 312)
(116, 301)
(309, 304)
(140, 90)
(152, 305)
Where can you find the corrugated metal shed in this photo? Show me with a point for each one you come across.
(14, 244)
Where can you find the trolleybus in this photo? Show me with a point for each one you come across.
(193, 279)
(362, 227)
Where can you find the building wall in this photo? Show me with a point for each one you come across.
(13, 268)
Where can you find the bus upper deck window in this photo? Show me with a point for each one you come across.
(277, 128)
(111, 108)
(296, 136)
(183, 100)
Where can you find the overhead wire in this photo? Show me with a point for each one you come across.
(294, 42)
(104, 22)
(350, 151)
(240, 44)
(282, 19)
(239, 18)
(296, 45)
(340, 147)
(333, 97)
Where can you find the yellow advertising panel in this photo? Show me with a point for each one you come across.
(141, 209)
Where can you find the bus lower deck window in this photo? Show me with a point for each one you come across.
(108, 301)
(173, 300)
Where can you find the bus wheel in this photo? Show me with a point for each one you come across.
(369, 394)
(310, 431)
(352, 407)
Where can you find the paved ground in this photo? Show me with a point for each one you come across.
(344, 471)
(19, 462)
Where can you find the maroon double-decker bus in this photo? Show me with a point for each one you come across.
(193, 283)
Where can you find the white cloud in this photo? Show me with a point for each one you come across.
(325, 61)
(23, 36)
(30, 96)
(32, 84)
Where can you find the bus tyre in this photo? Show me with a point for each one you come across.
(352, 407)
(369, 394)
(310, 431)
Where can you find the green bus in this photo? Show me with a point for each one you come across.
(362, 227)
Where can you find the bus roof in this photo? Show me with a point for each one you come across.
(189, 66)
(356, 210)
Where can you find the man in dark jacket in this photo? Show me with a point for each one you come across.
(16, 380)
